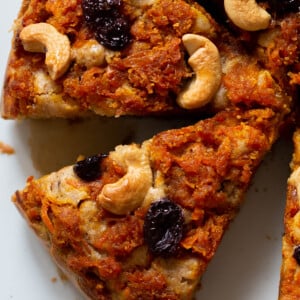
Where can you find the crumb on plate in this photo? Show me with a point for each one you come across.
(6, 149)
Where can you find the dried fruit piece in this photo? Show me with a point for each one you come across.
(94, 9)
(284, 6)
(113, 32)
(104, 18)
(163, 227)
(89, 169)
(296, 254)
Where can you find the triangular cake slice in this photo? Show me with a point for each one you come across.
(289, 279)
(144, 221)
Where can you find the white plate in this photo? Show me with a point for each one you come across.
(247, 263)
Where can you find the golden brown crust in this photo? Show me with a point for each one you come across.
(283, 49)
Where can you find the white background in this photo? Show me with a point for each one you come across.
(247, 263)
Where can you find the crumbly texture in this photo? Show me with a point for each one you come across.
(204, 168)
(278, 46)
(289, 277)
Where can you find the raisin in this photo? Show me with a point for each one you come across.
(89, 169)
(163, 227)
(113, 32)
(296, 254)
(216, 9)
(93, 9)
(110, 26)
(284, 6)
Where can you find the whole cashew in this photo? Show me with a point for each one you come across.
(129, 192)
(247, 14)
(205, 61)
(43, 37)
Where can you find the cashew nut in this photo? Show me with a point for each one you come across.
(206, 63)
(89, 54)
(247, 14)
(202, 24)
(43, 37)
(129, 192)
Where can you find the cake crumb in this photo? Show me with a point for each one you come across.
(62, 275)
(6, 149)
(53, 279)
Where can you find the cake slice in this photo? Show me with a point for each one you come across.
(289, 277)
(143, 221)
(113, 58)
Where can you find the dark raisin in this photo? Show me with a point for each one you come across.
(296, 254)
(89, 169)
(113, 32)
(93, 9)
(216, 9)
(284, 6)
(163, 227)
(110, 26)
